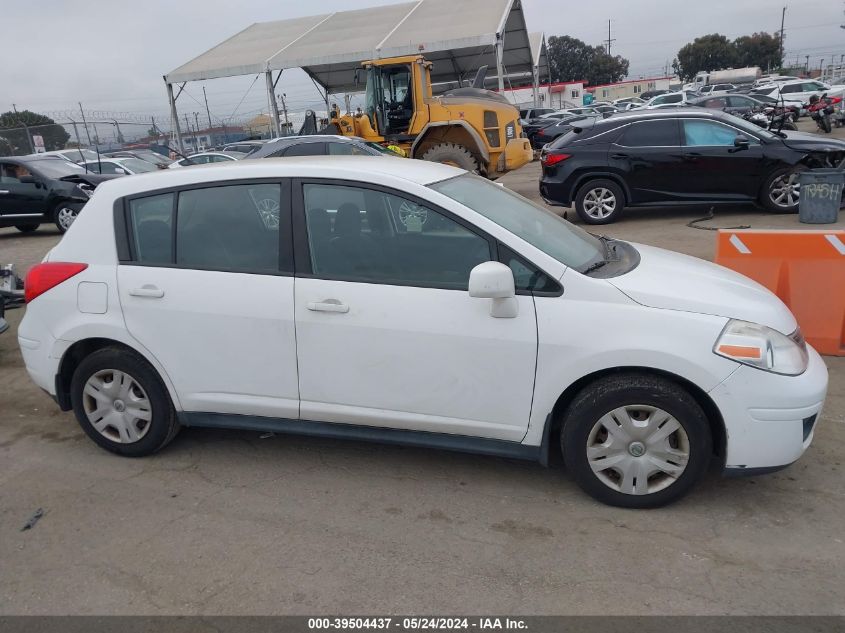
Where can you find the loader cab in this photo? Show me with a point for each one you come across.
(394, 91)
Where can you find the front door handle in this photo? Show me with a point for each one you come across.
(147, 290)
(329, 305)
(619, 156)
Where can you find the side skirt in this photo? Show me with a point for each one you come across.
(442, 441)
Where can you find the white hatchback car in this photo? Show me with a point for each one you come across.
(410, 302)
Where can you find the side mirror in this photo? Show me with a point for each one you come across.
(119, 170)
(30, 180)
(494, 280)
(741, 142)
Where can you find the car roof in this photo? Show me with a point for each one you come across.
(359, 168)
(637, 115)
(33, 158)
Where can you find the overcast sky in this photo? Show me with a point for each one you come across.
(111, 54)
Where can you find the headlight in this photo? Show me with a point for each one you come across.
(764, 348)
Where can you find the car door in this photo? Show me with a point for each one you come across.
(205, 282)
(648, 156)
(23, 200)
(714, 168)
(387, 334)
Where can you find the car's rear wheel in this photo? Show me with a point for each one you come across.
(121, 403)
(781, 190)
(65, 214)
(635, 440)
(600, 202)
(26, 228)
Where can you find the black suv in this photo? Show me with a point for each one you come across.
(678, 157)
(36, 189)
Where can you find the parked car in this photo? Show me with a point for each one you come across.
(374, 327)
(549, 133)
(624, 101)
(716, 89)
(71, 155)
(732, 103)
(801, 90)
(651, 94)
(162, 162)
(557, 114)
(533, 113)
(771, 93)
(321, 145)
(675, 157)
(668, 98)
(119, 166)
(36, 190)
(204, 158)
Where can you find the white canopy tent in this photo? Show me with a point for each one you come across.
(459, 37)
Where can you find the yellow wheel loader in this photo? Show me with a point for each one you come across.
(472, 128)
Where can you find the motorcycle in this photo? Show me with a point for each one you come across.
(821, 109)
(771, 119)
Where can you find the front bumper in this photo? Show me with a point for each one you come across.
(769, 419)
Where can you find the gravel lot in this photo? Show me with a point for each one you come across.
(225, 522)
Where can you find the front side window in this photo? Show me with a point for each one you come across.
(709, 133)
(651, 134)
(372, 236)
(233, 227)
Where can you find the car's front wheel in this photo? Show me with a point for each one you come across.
(599, 202)
(635, 440)
(121, 403)
(65, 214)
(781, 190)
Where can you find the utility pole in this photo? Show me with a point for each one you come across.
(609, 39)
(807, 65)
(188, 127)
(85, 124)
(197, 121)
(207, 111)
(782, 19)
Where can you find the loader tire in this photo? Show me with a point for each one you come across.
(452, 154)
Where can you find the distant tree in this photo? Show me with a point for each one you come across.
(759, 49)
(570, 59)
(17, 125)
(708, 52)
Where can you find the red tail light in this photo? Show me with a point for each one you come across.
(48, 275)
(553, 159)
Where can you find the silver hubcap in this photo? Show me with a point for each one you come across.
(599, 203)
(117, 406)
(66, 216)
(638, 449)
(785, 190)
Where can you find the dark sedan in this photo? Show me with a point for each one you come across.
(545, 134)
(678, 157)
(321, 145)
(35, 190)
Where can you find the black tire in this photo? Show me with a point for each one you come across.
(769, 192)
(163, 424)
(588, 209)
(65, 213)
(825, 124)
(634, 390)
(452, 154)
(26, 228)
(790, 127)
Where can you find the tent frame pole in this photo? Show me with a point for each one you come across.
(500, 66)
(174, 116)
(274, 106)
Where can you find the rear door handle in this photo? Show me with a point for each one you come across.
(147, 290)
(619, 156)
(329, 305)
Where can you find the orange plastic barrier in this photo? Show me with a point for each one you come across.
(806, 269)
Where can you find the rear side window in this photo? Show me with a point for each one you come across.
(229, 228)
(152, 228)
(662, 133)
(306, 149)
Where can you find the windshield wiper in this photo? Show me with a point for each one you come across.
(593, 267)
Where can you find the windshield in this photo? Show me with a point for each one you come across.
(381, 149)
(78, 155)
(752, 129)
(139, 166)
(55, 168)
(544, 230)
